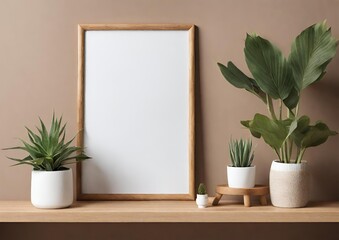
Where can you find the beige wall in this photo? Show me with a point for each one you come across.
(38, 72)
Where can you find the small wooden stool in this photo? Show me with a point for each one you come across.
(258, 190)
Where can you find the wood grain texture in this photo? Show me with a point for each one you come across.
(247, 200)
(82, 28)
(256, 191)
(166, 211)
(191, 147)
(81, 89)
(136, 26)
(133, 197)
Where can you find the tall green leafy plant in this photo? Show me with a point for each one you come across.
(48, 150)
(280, 79)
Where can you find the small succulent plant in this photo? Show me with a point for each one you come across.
(241, 153)
(202, 189)
(47, 150)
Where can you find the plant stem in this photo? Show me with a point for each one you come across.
(290, 150)
(280, 109)
(300, 155)
(283, 153)
(297, 110)
(287, 149)
(288, 158)
(270, 107)
(297, 155)
(278, 154)
(289, 144)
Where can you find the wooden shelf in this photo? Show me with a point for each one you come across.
(166, 211)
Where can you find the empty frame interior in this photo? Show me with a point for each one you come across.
(136, 112)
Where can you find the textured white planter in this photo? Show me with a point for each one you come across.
(52, 189)
(202, 200)
(241, 177)
(289, 184)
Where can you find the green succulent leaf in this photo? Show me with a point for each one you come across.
(240, 152)
(47, 149)
(23, 163)
(311, 52)
(202, 189)
(268, 66)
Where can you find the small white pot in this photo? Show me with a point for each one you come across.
(289, 184)
(202, 200)
(241, 177)
(52, 189)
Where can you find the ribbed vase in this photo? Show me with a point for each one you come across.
(289, 184)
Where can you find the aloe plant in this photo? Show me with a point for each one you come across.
(202, 189)
(47, 150)
(241, 153)
(276, 78)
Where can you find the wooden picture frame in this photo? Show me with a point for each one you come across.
(184, 190)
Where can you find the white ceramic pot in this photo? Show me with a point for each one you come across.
(289, 184)
(241, 177)
(52, 189)
(202, 200)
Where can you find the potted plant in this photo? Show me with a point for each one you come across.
(48, 154)
(279, 81)
(241, 173)
(202, 197)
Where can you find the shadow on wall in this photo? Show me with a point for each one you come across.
(324, 94)
(199, 137)
(323, 100)
(325, 165)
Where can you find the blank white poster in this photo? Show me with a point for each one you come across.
(136, 112)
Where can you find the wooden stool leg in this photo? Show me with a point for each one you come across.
(216, 199)
(247, 200)
(263, 200)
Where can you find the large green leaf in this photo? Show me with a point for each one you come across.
(247, 124)
(268, 66)
(293, 99)
(306, 135)
(302, 128)
(274, 132)
(239, 79)
(316, 135)
(311, 51)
